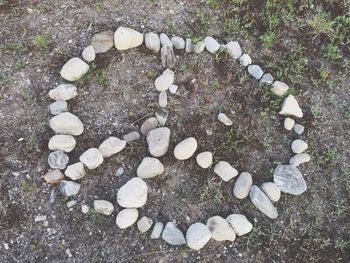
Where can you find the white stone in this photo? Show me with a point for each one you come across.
(272, 191)
(157, 230)
(111, 145)
(144, 224)
(148, 125)
(242, 186)
(255, 71)
(152, 42)
(63, 92)
(131, 136)
(240, 224)
(127, 217)
(299, 146)
(262, 202)
(65, 143)
(211, 45)
(126, 38)
(165, 40)
(172, 235)
(164, 81)
(220, 229)
(67, 123)
(74, 69)
(188, 47)
(158, 141)
(279, 88)
(58, 107)
(89, 54)
(299, 159)
(103, 41)
(225, 171)
(71, 203)
(233, 49)
(69, 188)
(75, 171)
(40, 218)
(197, 236)
(290, 106)
(103, 207)
(288, 124)
(149, 167)
(245, 60)
(222, 117)
(178, 42)
(85, 209)
(173, 89)
(185, 149)
(205, 159)
(199, 47)
(163, 99)
(133, 194)
(91, 158)
(289, 179)
(267, 79)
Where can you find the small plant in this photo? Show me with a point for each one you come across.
(41, 40)
(28, 186)
(101, 77)
(331, 51)
(12, 46)
(32, 145)
(212, 193)
(151, 73)
(268, 38)
(98, 6)
(320, 22)
(14, 12)
(21, 63)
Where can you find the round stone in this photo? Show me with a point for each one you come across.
(91, 158)
(163, 99)
(53, 176)
(89, 54)
(168, 57)
(111, 145)
(272, 191)
(58, 107)
(63, 92)
(255, 71)
(245, 60)
(164, 81)
(267, 79)
(126, 217)
(233, 49)
(103, 207)
(178, 42)
(149, 167)
(197, 236)
(299, 159)
(152, 42)
(199, 47)
(158, 141)
(126, 38)
(220, 229)
(242, 186)
(262, 202)
(240, 224)
(225, 171)
(131, 136)
(69, 188)
(185, 149)
(205, 159)
(289, 179)
(279, 88)
(58, 160)
(75, 171)
(133, 194)
(299, 146)
(144, 224)
(74, 69)
(148, 125)
(165, 40)
(211, 45)
(65, 143)
(298, 129)
(288, 124)
(67, 123)
(188, 45)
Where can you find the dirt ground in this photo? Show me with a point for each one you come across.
(308, 50)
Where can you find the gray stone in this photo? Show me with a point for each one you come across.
(262, 202)
(172, 235)
(127, 38)
(279, 88)
(288, 124)
(162, 116)
(272, 191)
(233, 49)
(197, 236)
(225, 171)
(199, 47)
(163, 99)
(222, 117)
(240, 224)
(103, 41)
(299, 159)
(58, 107)
(298, 129)
(168, 57)
(242, 186)
(103, 207)
(111, 145)
(255, 71)
(267, 79)
(120, 171)
(289, 179)
(178, 42)
(75, 171)
(149, 167)
(40, 218)
(220, 229)
(74, 69)
(63, 92)
(58, 160)
(211, 45)
(65, 143)
(152, 42)
(186, 148)
(149, 124)
(126, 218)
(133, 194)
(205, 159)
(70, 204)
(158, 141)
(131, 136)
(188, 48)
(164, 81)
(245, 60)
(157, 230)
(91, 158)
(144, 224)
(165, 40)
(69, 188)
(67, 123)
(290, 106)
(299, 146)
(89, 54)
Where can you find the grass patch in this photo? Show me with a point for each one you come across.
(41, 40)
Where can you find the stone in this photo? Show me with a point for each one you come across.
(165, 40)
(157, 230)
(103, 41)
(120, 171)
(288, 124)
(85, 209)
(144, 224)
(299, 159)
(242, 186)
(91, 158)
(149, 167)
(75, 171)
(158, 141)
(167, 57)
(149, 124)
(211, 45)
(58, 107)
(173, 89)
(267, 79)
(220, 229)
(71, 204)
(69, 188)
(178, 42)
(197, 236)
(299, 146)
(40, 218)
(53, 176)
(222, 117)
(89, 54)
(289, 179)
(65, 143)
(162, 116)
(205, 159)
(74, 69)
(58, 160)
(290, 106)
(185, 149)
(63, 92)
(245, 60)
(279, 88)
(127, 217)
(272, 191)
(172, 235)
(240, 224)
(188, 47)
(126, 38)
(103, 207)
(255, 71)
(163, 99)
(111, 145)
(67, 123)
(152, 42)
(131, 136)
(199, 47)
(164, 81)
(262, 202)
(225, 171)
(298, 129)
(133, 194)
(233, 49)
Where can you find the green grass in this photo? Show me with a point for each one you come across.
(21, 63)
(28, 186)
(41, 40)
(320, 22)
(151, 73)
(212, 193)
(331, 52)
(16, 46)
(268, 39)
(32, 145)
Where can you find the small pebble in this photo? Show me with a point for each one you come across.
(288, 124)
(267, 79)
(225, 171)
(164, 81)
(162, 116)
(173, 89)
(197, 236)
(163, 99)
(63, 92)
(89, 54)
(199, 47)
(211, 45)
(103, 207)
(165, 40)
(299, 159)
(158, 141)
(245, 60)
(240, 224)
(119, 172)
(65, 143)
(91, 158)
(272, 191)
(298, 129)
(205, 159)
(40, 218)
(74, 69)
(127, 38)
(53, 176)
(133, 194)
(299, 146)
(185, 149)
(157, 230)
(233, 49)
(67, 123)
(75, 171)
(111, 146)
(152, 42)
(149, 167)
(290, 106)
(71, 203)
(242, 186)
(85, 209)
(178, 42)
(222, 117)
(220, 229)
(69, 188)
(279, 88)
(168, 57)
(58, 160)
(58, 107)
(150, 124)
(144, 224)
(103, 41)
(255, 71)
(132, 136)
(188, 48)
(127, 217)
(172, 235)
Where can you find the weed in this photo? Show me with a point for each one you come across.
(268, 38)
(214, 84)
(21, 64)
(95, 216)
(321, 22)
(330, 155)
(32, 145)
(30, 97)
(13, 46)
(151, 73)
(331, 51)
(14, 12)
(342, 244)
(101, 77)
(98, 6)
(41, 40)
(28, 186)
(211, 193)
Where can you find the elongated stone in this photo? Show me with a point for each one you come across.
(243, 185)
(262, 202)
(168, 57)
(67, 123)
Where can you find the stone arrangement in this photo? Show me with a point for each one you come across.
(133, 194)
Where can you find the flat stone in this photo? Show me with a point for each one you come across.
(149, 124)
(58, 107)
(220, 229)
(53, 176)
(133, 194)
(103, 41)
(211, 45)
(205, 159)
(126, 218)
(233, 49)
(164, 81)
(158, 141)
(168, 57)
(225, 171)
(103, 207)
(172, 235)
(255, 71)
(262, 202)
(69, 188)
(299, 159)
(299, 146)
(63, 92)
(75, 171)
(188, 47)
(165, 40)
(157, 230)
(245, 60)
(65, 143)
(131, 136)
(40, 218)
(144, 224)
(199, 47)
(149, 167)
(89, 54)
(74, 69)
(185, 149)
(242, 186)
(162, 116)
(58, 160)
(85, 209)
(298, 129)
(288, 124)
(267, 79)
(279, 88)
(91, 158)
(152, 42)
(272, 191)
(126, 38)
(173, 89)
(67, 123)
(240, 224)
(70, 204)
(111, 145)
(197, 236)
(290, 106)
(163, 99)
(178, 42)
(222, 117)
(289, 179)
